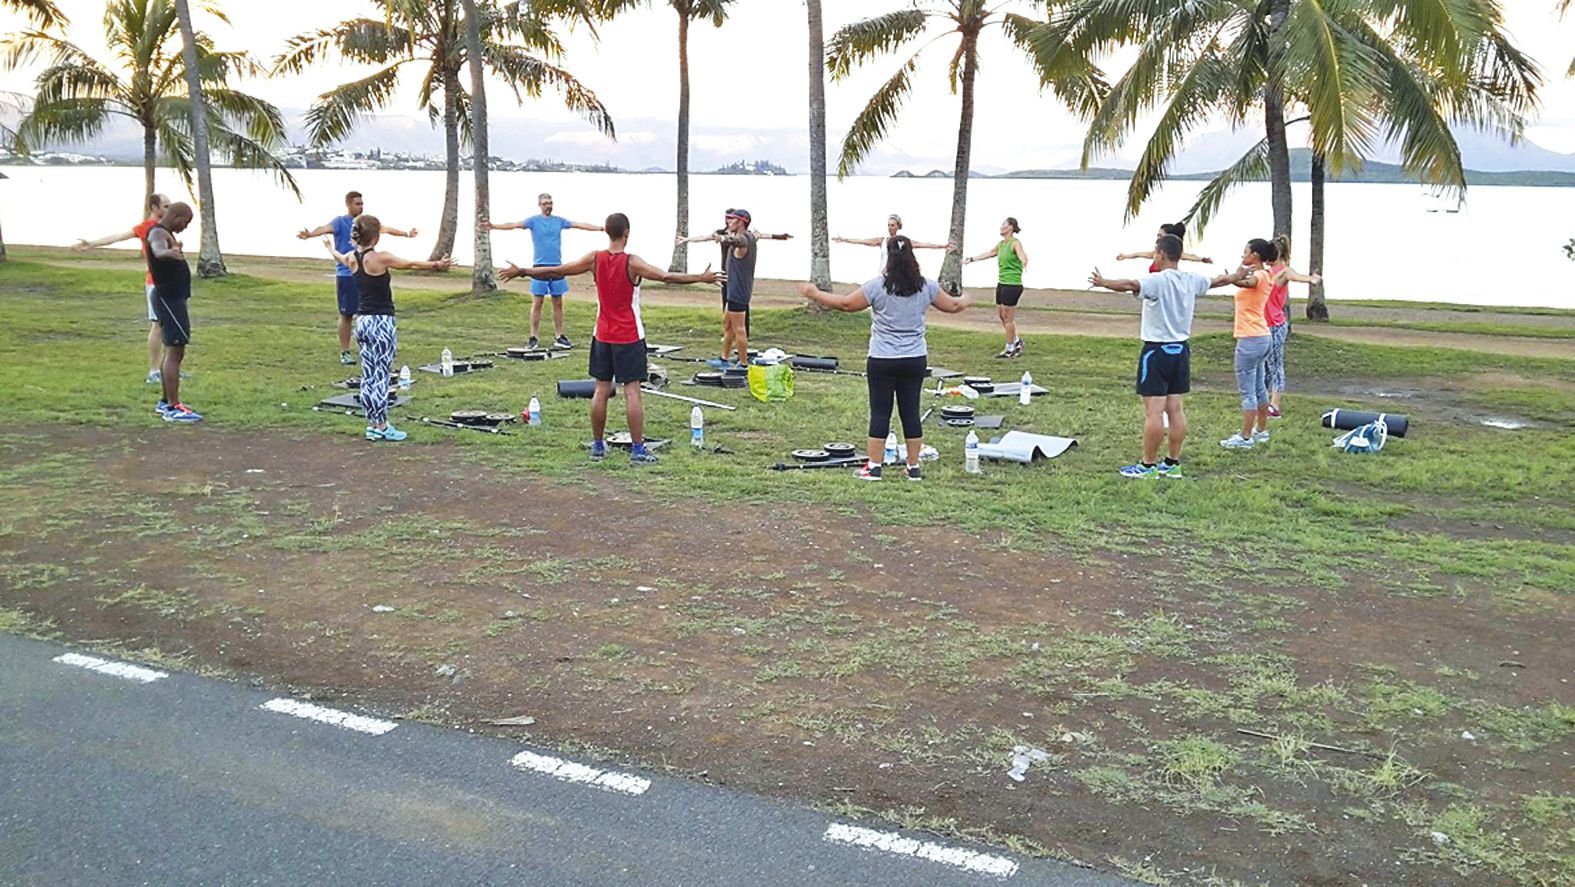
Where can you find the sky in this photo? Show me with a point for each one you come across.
(749, 82)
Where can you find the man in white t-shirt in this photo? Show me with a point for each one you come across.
(1168, 297)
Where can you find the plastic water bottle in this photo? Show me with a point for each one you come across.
(971, 453)
(447, 362)
(1023, 394)
(891, 448)
(697, 429)
(534, 410)
(404, 378)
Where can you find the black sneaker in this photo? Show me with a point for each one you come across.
(1005, 353)
(532, 344)
(913, 472)
(870, 471)
(562, 342)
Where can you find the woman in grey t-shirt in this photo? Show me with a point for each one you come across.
(899, 354)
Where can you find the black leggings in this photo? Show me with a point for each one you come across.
(900, 376)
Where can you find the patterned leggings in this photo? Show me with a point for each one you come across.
(379, 339)
(1275, 368)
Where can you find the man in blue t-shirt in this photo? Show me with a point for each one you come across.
(546, 234)
(344, 278)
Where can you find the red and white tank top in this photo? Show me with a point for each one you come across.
(618, 319)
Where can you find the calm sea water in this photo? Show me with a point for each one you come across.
(1502, 248)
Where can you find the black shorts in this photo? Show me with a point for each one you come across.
(349, 295)
(735, 307)
(174, 322)
(1008, 293)
(620, 363)
(1164, 368)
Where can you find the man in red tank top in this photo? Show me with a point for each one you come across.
(157, 204)
(618, 344)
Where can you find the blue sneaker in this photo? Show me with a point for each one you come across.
(1169, 472)
(1139, 470)
(598, 450)
(639, 455)
(181, 413)
(718, 363)
(161, 408)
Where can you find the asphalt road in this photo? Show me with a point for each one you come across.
(189, 780)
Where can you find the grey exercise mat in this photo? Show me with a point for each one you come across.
(352, 401)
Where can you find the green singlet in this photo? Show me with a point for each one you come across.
(1009, 266)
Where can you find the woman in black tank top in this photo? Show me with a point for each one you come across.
(375, 331)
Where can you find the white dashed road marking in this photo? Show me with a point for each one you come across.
(116, 669)
(568, 771)
(299, 709)
(891, 842)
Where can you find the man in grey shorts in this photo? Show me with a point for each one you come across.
(157, 204)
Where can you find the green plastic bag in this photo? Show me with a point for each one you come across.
(770, 384)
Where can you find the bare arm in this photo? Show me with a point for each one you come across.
(919, 245)
(163, 245)
(760, 236)
(389, 260)
(1291, 274)
(859, 241)
(1136, 254)
(397, 232)
(947, 303)
(504, 226)
(854, 301)
(699, 238)
(1242, 276)
(650, 272)
(1119, 286)
(578, 266)
(982, 256)
(581, 226)
(1189, 257)
(319, 231)
(128, 234)
(341, 258)
(1022, 254)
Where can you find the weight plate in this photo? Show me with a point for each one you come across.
(499, 418)
(468, 417)
(958, 423)
(839, 450)
(811, 455)
(708, 379)
(957, 412)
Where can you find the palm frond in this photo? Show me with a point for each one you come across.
(527, 75)
(1188, 107)
(713, 11)
(336, 112)
(1252, 167)
(42, 13)
(1338, 77)
(1414, 118)
(66, 121)
(360, 40)
(859, 42)
(1068, 73)
(258, 119)
(876, 119)
(24, 47)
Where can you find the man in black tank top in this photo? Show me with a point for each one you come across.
(171, 290)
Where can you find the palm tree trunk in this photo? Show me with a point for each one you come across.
(150, 157)
(819, 232)
(1274, 118)
(951, 267)
(482, 278)
(2, 248)
(210, 261)
(680, 261)
(1317, 308)
(450, 221)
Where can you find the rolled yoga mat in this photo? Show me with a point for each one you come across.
(814, 363)
(580, 388)
(1346, 420)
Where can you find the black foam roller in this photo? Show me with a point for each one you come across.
(579, 388)
(1347, 420)
(815, 363)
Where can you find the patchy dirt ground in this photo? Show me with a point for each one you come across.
(818, 657)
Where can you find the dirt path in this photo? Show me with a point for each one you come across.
(782, 650)
(1064, 312)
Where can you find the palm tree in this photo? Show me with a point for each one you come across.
(210, 261)
(819, 233)
(482, 278)
(77, 95)
(1364, 72)
(714, 11)
(518, 45)
(42, 13)
(1564, 6)
(1071, 77)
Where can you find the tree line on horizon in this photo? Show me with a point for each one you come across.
(1358, 73)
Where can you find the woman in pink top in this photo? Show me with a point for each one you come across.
(1279, 320)
(1252, 346)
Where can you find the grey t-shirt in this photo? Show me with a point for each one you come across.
(1168, 299)
(741, 272)
(897, 322)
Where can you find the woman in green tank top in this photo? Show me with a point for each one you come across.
(1010, 259)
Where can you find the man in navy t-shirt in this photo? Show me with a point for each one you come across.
(344, 278)
(546, 234)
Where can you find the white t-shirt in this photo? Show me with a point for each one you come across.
(1169, 298)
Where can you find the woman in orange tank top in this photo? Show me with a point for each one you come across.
(1252, 347)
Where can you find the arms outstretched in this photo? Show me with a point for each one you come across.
(861, 241)
(1149, 254)
(81, 245)
(993, 251)
(1289, 274)
(857, 301)
(320, 230)
(386, 260)
(568, 269)
(1242, 276)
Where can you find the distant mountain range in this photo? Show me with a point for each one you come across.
(1372, 172)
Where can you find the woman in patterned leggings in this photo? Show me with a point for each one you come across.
(375, 331)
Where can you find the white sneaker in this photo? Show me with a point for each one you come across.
(1260, 437)
(1236, 442)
